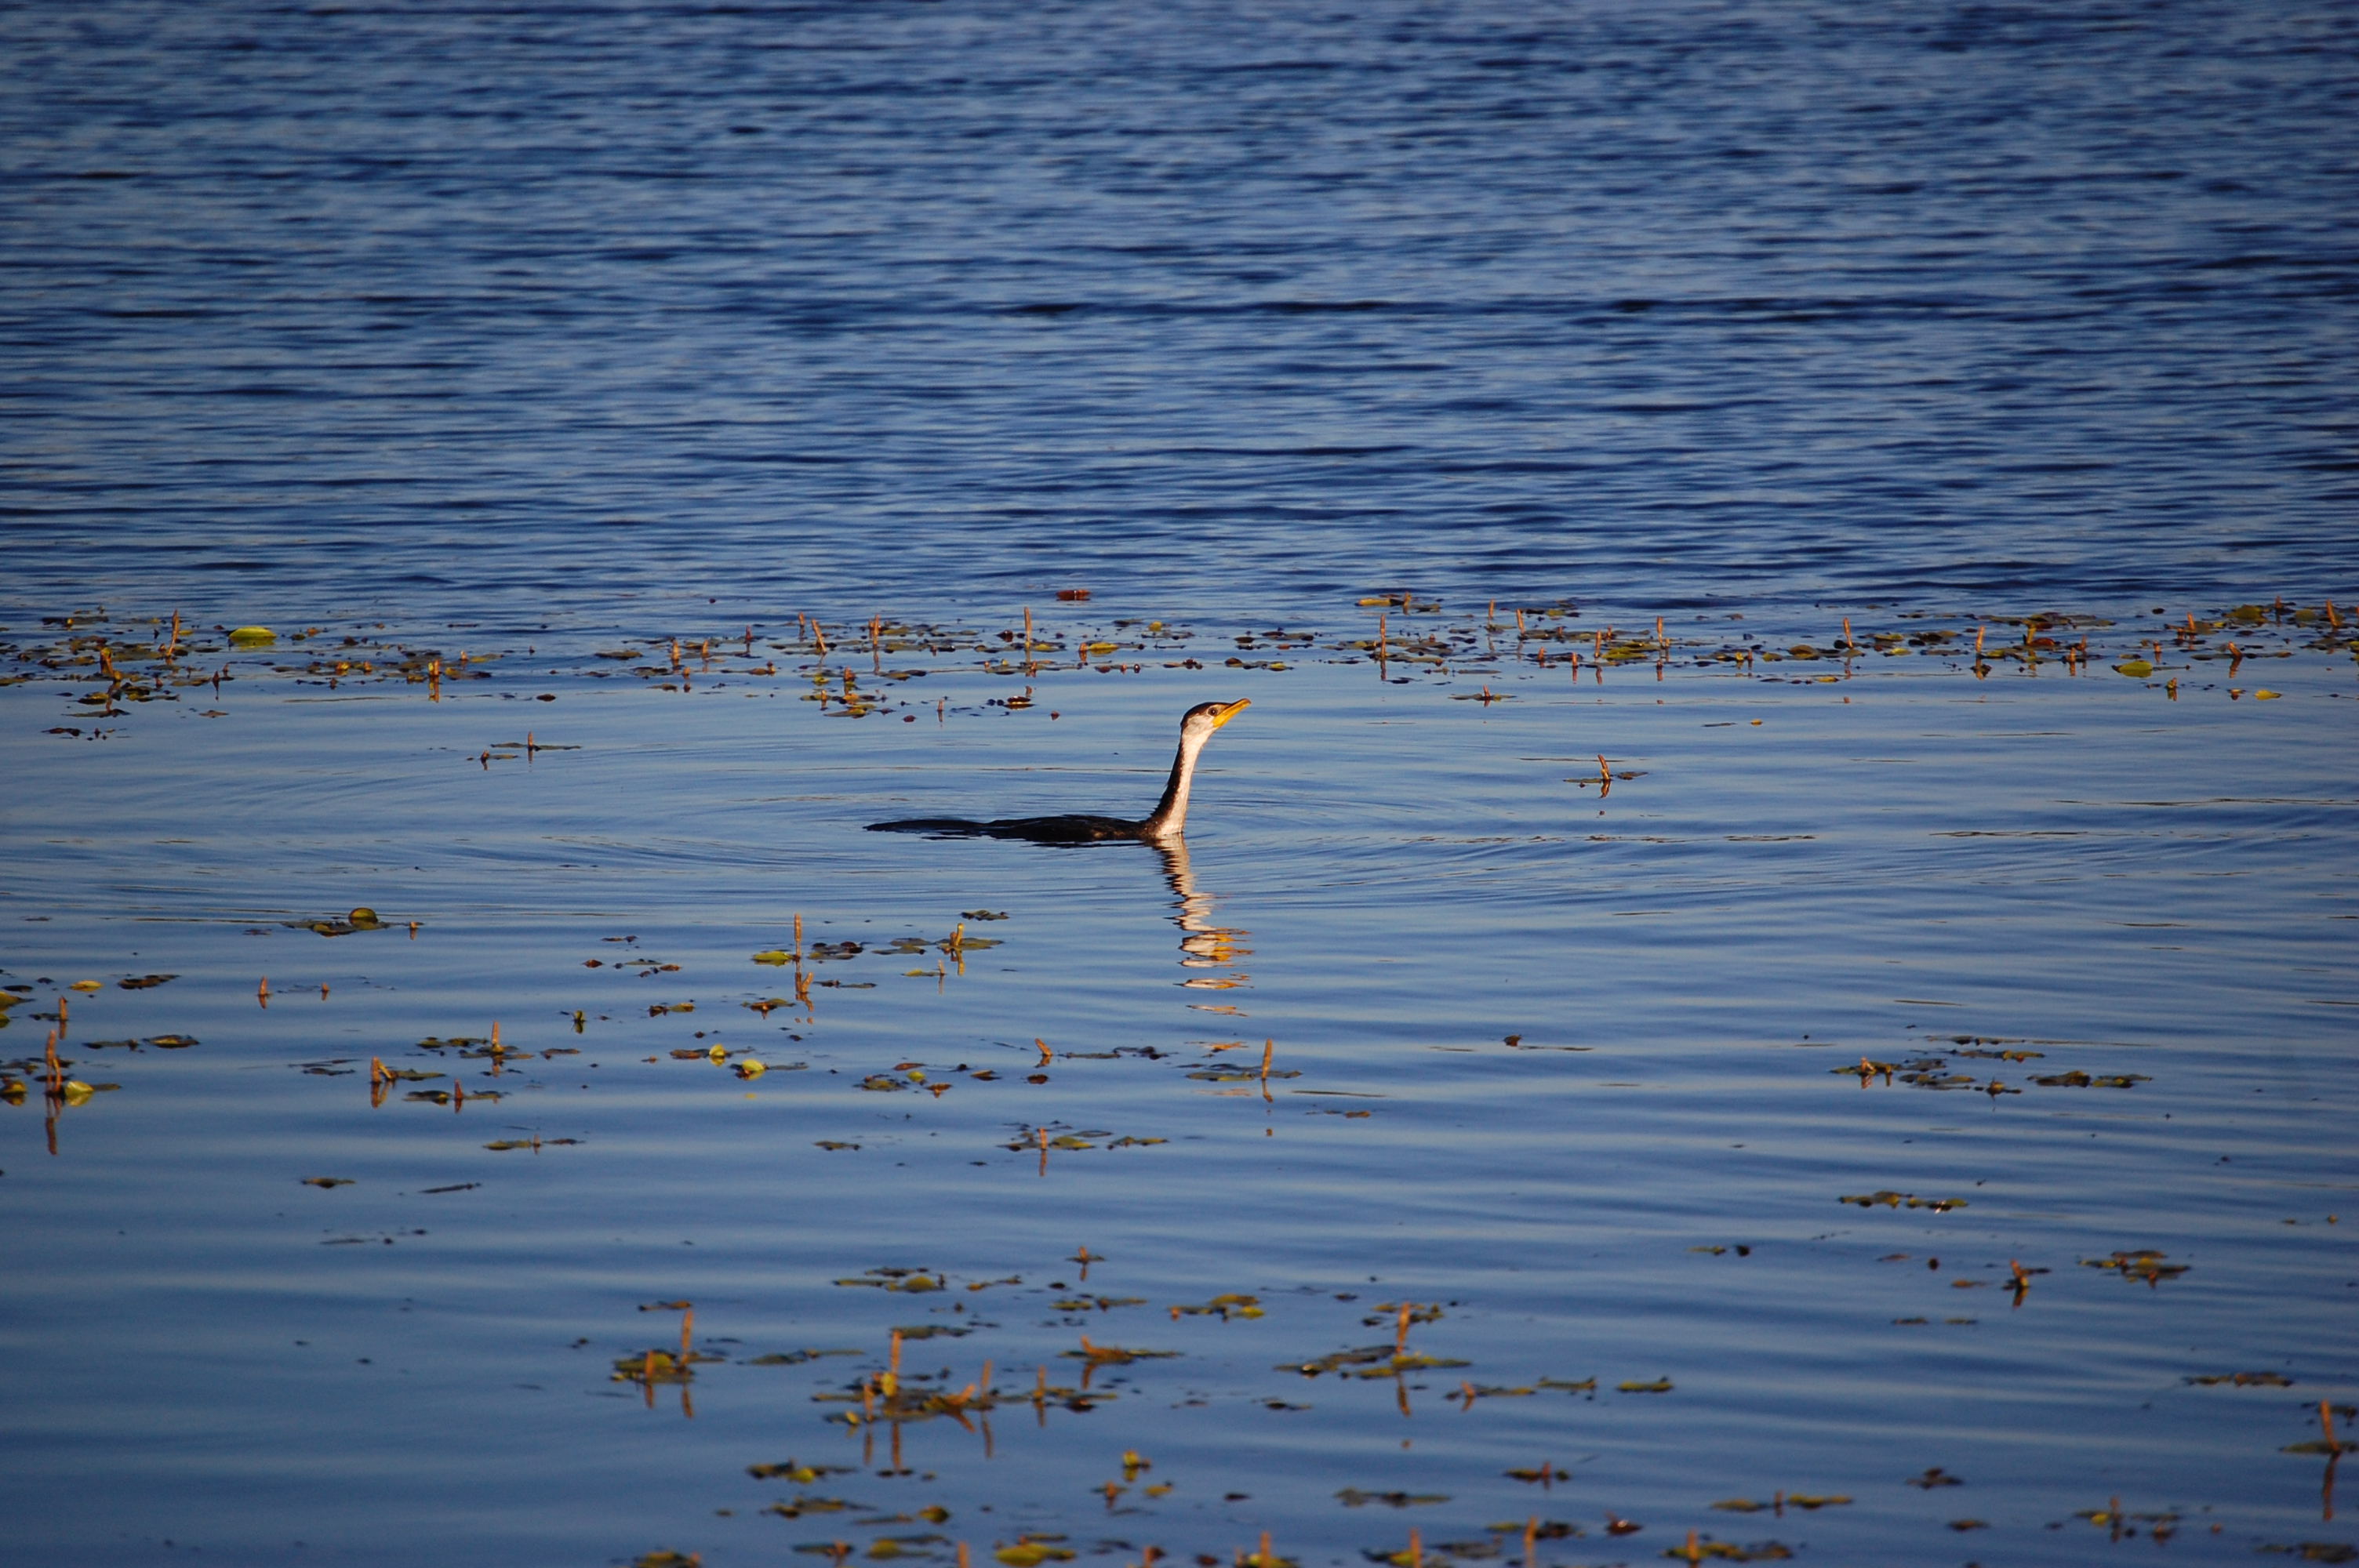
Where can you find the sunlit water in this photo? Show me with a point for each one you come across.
(515, 338)
(1385, 882)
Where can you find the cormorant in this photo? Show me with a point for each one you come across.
(1165, 826)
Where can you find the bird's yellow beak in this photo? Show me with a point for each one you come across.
(1230, 711)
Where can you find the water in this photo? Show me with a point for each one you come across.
(517, 338)
(531, 305)
(1886, 865)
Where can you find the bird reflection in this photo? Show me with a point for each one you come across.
(1207, 944)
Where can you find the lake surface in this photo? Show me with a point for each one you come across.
(1858, 1066)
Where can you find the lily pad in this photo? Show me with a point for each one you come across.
(1888, 1199)
(796, 1358)
(2241, 1380)
(788, 1470)
(1114, 1354)
(1352, 1497)
(2143, 1264)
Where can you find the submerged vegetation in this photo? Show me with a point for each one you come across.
(125, 663)
(610, 1039)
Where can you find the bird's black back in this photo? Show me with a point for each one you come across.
(1070, 829)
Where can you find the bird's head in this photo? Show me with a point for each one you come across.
(1198, 722)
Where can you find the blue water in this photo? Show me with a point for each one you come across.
(589, 350)
(358, 306)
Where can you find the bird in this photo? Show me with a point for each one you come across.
(1164, 824)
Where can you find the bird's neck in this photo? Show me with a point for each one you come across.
(1171, 817)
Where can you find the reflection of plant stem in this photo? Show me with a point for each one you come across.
(2334, 1455)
